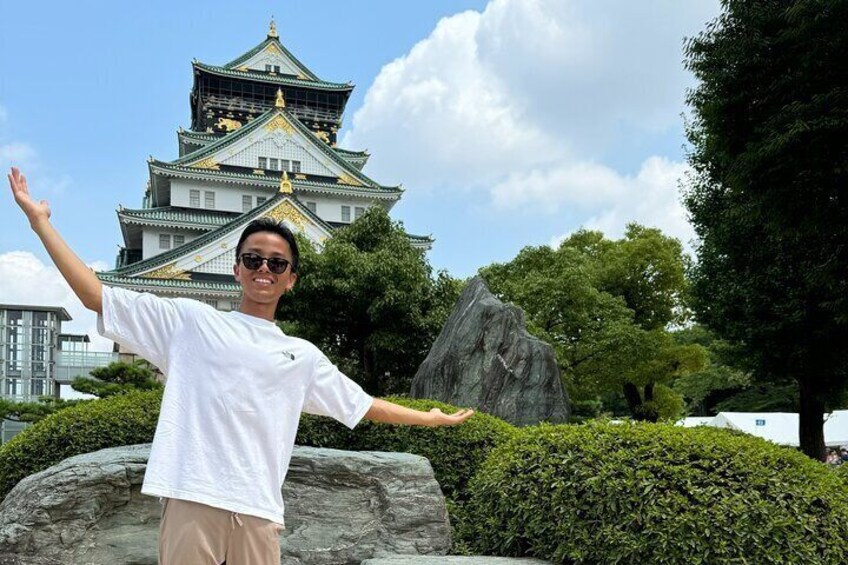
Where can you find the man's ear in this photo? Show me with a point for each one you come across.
(292, 280)
(236, 272)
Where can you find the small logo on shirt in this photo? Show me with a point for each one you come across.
(288, 354)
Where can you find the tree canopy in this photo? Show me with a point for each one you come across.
(769, 149)
(604, 306)
(369, 300)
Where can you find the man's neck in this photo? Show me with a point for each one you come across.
(264, 311)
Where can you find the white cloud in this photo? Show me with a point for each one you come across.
(15, 153)
(651, 198)
(25, 280)
(528, 99)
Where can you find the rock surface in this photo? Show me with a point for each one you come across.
(341, 507)
(452, 560)
(485, 359)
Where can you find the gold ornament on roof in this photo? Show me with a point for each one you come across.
(322, 135)
(208, 163)
(272, 31)
(285, 184)
(347, 179)
(278, 122)
(280, 102)
(168, 272)
(286, 211)
(228, 125)
(273, 49)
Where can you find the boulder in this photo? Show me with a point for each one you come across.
(485, 359)
(341, 507)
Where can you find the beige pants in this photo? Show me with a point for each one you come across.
(196, 534)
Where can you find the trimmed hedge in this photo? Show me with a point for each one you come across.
(454, 452)
(123, 419)
(653, 493)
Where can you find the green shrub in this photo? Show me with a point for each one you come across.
(455, 453)
(124, 419)
(654, 493)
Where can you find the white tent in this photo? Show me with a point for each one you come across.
(779, 427)
(694, 421)
(836, 428)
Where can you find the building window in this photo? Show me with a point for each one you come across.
(179, 240)
(234, 305)
(212, 302)
(194, 198)
(38, 387)
(273, 164)
(285, 165)
(276, 68)
(345, 213)
(357, 212)
(209, 199)
(260, 200)
(295, 166)
(246, 203)
(39, 319)
(13, 387)
(164, 241)
(312, 207)
(267, 68)
(263, 162)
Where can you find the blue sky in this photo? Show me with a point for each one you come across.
(509, 123)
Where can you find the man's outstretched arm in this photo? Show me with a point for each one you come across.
(82, 280)
(390, 413)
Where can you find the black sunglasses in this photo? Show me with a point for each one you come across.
(276, 265)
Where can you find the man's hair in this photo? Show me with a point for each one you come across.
(267, 224)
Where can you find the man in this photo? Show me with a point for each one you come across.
(236, 387)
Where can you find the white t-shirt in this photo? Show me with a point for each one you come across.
(236, 386)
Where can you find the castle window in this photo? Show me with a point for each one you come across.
(263, 162)
(164, 241)
(345, 213)
(285, 165)
(357, 212)
(194, 198)
(209, 199)
(312, 207)
(179, 240)
(246, 203)
(274, 165)
(295, 166)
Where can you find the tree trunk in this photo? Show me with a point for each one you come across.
(372, 381)
(634, 400)
(811, 420)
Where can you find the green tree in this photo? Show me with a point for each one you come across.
(369, 301)
(117, 378)
(604, 305)
(767, 197)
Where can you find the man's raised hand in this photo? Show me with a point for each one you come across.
(36, 212)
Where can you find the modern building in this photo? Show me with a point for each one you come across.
(262, 143)
(37, 359)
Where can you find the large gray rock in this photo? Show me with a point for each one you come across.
(341, 507)
(485, 359)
